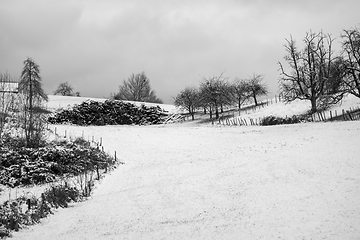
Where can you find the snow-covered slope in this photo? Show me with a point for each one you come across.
(296, 181)
(183, 181)
(297, 107)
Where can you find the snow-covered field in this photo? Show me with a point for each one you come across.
(190, 181)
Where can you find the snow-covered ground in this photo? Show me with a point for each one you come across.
(190, 181)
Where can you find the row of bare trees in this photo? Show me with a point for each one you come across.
(217, 92)
(317, 74)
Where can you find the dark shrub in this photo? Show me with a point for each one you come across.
(273, 120)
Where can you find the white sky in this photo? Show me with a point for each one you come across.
(95, 45)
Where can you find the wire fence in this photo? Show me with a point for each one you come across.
(239, 118)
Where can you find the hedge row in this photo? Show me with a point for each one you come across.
(273, 120)
(27, 166)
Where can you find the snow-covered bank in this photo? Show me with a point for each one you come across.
(297, 107)
(201, 182)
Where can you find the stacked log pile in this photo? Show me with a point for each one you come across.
(110, 112)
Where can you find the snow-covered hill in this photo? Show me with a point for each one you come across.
(182, 181)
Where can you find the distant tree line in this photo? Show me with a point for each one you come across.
(135, 88)
(217, 92)
(315, 73)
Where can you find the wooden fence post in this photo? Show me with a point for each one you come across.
(319, 116)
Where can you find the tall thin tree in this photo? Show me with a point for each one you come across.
(34, 95)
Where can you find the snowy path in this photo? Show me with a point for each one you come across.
(188, 182)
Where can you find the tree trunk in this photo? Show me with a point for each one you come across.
(30, 133)
(216, 113)
(313, 105)
(357, 83)
(255, 100)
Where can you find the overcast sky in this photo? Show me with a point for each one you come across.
(94, 45)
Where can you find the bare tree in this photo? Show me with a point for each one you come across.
(34, 95)
(214, 93)
(256, 88)
(189, 99)
(8, 91)
(240, 91)
(310, 69)
(64, 89)
(351, 55)
(137, 88)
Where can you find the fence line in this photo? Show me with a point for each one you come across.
(236, 117)
(332, 115)
(93, 142)
(352, 114)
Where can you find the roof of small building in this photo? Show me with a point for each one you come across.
(11, 87)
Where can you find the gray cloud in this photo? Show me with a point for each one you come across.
(94, 45)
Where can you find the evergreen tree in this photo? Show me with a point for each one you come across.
(34, 95)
